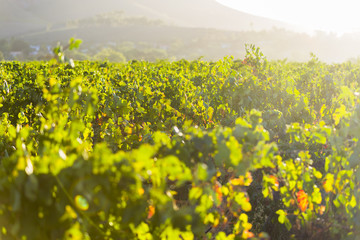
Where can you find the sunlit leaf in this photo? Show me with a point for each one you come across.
(81, 203)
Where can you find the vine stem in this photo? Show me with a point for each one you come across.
(75, 208)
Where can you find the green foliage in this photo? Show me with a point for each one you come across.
(59, 51)
(18, 45)
(179, 150)
(110, 55)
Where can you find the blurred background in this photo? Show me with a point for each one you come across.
(122, 30)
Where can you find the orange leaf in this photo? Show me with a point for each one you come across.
(237, 181)
(151, 212)
(276, 182)
(247, 234)
(322, 209)
(218, 192)
(302, 199)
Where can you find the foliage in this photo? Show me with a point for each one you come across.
(59, 51)
(18, 45)
(233, 149)
(110, 55)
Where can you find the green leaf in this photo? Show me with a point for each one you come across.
(317, 174)
(319, 138)
(283, 219)
(202, 171)
(307, 177)
(339, 113)
(282, 216)
(316, 196)
(81, 203)
(195, 193)
(352, 201)
(74, 233)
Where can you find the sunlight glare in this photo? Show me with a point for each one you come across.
(325, 15)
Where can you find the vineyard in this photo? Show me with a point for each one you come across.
(233, 149)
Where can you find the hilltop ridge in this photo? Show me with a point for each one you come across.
(21, 16)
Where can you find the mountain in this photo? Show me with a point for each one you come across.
(14, 19)
(22, 16)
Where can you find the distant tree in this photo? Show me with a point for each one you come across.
(110, 55)
(77, 55)
(125, 46)
(154, 54)
(134, 54)
(19, 57)
(4, 45)
(148, 54)
(18, 45)
(44, 50)
(2, 56)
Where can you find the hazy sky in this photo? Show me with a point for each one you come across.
(327, 15)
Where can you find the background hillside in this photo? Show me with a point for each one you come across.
(153, 29)
(186, 13)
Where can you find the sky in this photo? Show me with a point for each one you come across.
(338, 17)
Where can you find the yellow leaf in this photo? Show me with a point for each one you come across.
(237, 181)
(141, 191)
(328, 183)
(52, 82)
(246, 206)
(81, 203)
